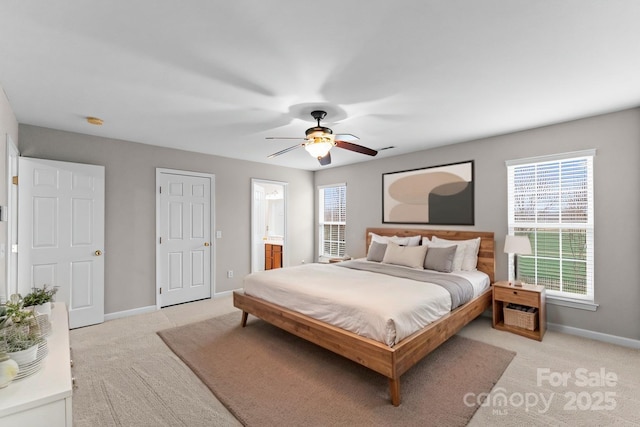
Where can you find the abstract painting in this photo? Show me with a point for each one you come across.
(437, 195)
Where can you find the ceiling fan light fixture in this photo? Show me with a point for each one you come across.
(319, 141)
(318, 148)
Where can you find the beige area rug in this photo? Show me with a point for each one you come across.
(268, 377)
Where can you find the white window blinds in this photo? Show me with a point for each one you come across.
(333, 220)
(551, 202)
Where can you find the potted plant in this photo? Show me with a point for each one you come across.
(18, 334)
(19, 343)
(16, 313)
(17, 316)
(40, 299)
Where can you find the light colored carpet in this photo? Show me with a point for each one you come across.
(126, 376)
(268, 377)
(104, 396)
(560, 354)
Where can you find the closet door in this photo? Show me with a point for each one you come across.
(184, 251)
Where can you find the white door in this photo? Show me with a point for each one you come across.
(184, 250)
(61, 234)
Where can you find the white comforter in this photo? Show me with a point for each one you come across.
(384, 308)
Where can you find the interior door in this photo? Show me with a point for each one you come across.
(184, 241)
(61, 234)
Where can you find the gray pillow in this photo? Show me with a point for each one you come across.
(440, 259)
(376, 251)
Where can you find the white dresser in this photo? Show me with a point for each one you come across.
(43, 398)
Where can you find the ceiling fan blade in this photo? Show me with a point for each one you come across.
(355, 147)
(326, 160)
(346, 137)
(286, 150)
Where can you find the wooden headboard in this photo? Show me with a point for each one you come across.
(486, 254)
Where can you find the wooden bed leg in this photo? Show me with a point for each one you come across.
(245, 315)
(394, 390)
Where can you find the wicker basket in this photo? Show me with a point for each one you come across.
(521, 319)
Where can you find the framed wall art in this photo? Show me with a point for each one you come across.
(437, 195)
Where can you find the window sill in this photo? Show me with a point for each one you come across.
(566, 302)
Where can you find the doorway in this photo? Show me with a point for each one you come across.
(268, 224)
(10, 215)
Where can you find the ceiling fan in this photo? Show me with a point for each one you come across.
(319, 140)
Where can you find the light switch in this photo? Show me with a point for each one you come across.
(218, 234)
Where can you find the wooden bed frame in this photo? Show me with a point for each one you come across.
(391, 362)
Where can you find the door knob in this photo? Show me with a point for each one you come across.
(98, 252)
(206, 243)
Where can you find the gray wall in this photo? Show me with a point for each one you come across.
(130, 171)
(617, 205)
(130, 219)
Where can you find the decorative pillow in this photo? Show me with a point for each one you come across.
(440, 258)
(458, 254)
(408, 256)
(376, 251)
(467, 260)
(426, 241)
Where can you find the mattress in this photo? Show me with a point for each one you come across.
(383, 307)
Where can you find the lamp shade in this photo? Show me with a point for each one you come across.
(318, 149)
(517, 245)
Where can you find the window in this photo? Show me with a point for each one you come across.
(333, 220)
(551, 202)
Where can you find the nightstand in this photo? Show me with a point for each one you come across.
(337, 260)
(534, 324)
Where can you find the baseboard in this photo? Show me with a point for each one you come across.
(584, 333)
(151, 308)
(222, 294)
(127, 313)
(598, 336)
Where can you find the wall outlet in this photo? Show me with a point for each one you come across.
(230, 274)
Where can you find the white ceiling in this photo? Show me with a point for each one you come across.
(218, 77)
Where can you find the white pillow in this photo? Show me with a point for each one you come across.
(402, 241)
(408, 256)
(414, 240)
(426, 241)
(468, 252)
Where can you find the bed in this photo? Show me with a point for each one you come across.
(390, 357)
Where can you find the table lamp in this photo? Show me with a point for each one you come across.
(517, 245)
